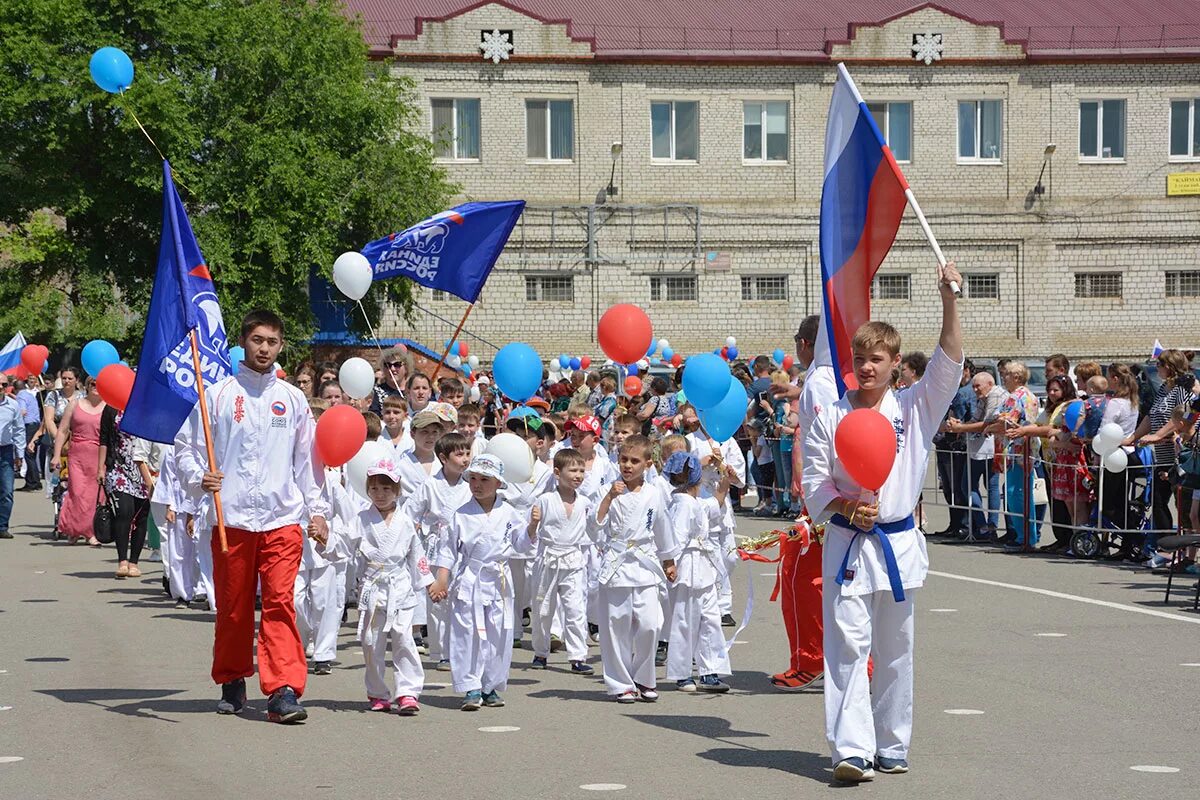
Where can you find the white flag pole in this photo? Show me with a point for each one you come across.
(937, 250)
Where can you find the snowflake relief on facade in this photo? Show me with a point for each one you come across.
(496, 46)
(927, 47)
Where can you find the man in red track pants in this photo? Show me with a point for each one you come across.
(262, 436)
(800, 561)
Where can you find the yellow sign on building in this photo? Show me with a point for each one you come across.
(1182, 184)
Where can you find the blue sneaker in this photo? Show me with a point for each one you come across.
(539, 662)
(472, 701)
(891, 766)
(685, 685)
(233, 697)
(713, 684)
(493, 699)
(284, 708)
(853, 770)
(582, 668)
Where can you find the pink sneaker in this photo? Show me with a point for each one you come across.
(407, 706)
(379, 705)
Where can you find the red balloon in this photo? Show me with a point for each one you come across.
(115, 384)
(279, 373)
(865, 443)
(33, 356)
(725, 353)
(20, 373)
(625, 333)
(341, 432)
(788, 361)
(676, 360)
(586, 362)
(463, 350)
(633, 385)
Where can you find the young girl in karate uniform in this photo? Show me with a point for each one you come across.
(394, 570)
(521, 496)
(637, 551)
(695, 623)
(472, 569)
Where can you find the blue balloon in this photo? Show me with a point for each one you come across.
(723, 420)
(1073, 415)
(667, 353)
(111, 70)
(633, 369)
(564, 361)
(518, 371)
(652, 348)
(45, 366)
(706, 380)
(732, 352)
(778, 355)
(576, 363)
(466, 370)
(717, 351)
(656, 360)
(98, 354)
(237, 354)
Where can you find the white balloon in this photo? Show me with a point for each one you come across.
(475, 393)
(644, 364)
(454, 361)
(352, 275)
(356, 468)
(1102, 445)
(1117, 460)
(473, 361)
(663, 344)
(731, 342)
(516, 455)
(357, 378)
(1111, 431)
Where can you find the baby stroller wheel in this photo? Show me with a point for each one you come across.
(1086, 544)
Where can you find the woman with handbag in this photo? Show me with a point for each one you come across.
(1024, 491)
(124, 473)
(81, 422)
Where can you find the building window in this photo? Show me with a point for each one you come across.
(1185, 134)
(456, 128)
(550, 288)
(440, 295)
(675, 130)
(980, 123)
(549, 130)
(981, 287)
(765, 131)
(895, 121)
(1185, 283)
(1097, 284)
(1102, 129)
(890, 287)
(672, 288)
(764, 287)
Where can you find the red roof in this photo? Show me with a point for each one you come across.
(805, 29)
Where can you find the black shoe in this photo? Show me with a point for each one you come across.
(322, 667)
(5, 535)
(37, 487)
(946, 532)
(199, 601)
(660, 655)
(727, 621)
(233, 697)
(284, 708)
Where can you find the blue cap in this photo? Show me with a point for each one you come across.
(685, 463)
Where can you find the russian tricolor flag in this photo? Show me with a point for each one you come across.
(862, 201)
(10, 354)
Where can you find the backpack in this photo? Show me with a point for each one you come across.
(1093, 416)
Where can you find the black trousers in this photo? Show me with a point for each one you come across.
(952, 474)
(133, 514)
(33, 461)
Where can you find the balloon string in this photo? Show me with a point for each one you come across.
(369, 328)
(146, 133)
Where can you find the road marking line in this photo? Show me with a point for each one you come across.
(963, 712)
(499, 729)
(1150, 612)
(602, 787)
(15, 759)
(943, 610)
(1051, 635)
(5, 708)
(1191, 664)
(1153, 768)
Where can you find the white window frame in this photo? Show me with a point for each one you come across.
(751, 281)
(664, 291)
(764, 161)
(672, 159)
(967, 278)
(1179, 274)
(440, 296)
(540, 287)
(874, 292)
(548, 100)
(977, 159)
(455, 99)
(1088, 274)
(1195, 156)
(1101, 158)
(887, 126)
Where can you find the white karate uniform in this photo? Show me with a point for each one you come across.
(413, 473)
(635, 537)
(476, 552)
(320, 591)
(180, 561)
(863, 719)
(398, 448)
(596, 483)
(559, 578)
(695, 629)
(395, 568)
(521, 496)
(430, 508)
(722, 529)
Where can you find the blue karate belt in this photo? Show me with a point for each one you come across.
(882, 530)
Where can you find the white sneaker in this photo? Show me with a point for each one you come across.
(153, 555)
(1157, 562)
(308, 651)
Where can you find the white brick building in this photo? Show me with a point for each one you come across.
(713, 224)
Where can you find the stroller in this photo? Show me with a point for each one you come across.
(58, 492)
(1104, 534)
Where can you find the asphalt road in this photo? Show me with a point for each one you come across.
(104, 693)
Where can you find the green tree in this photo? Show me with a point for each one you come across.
(289, 145)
